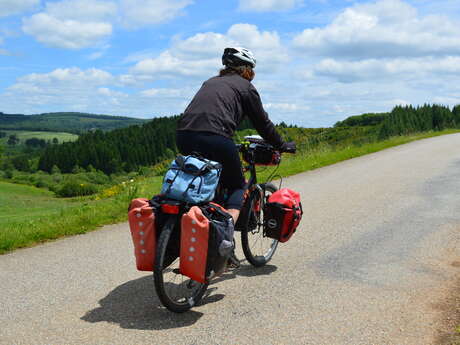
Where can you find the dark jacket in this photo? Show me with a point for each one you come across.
(220, 106)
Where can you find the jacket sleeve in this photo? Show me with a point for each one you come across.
(253, 109)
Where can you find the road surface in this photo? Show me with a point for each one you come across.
(373, 258)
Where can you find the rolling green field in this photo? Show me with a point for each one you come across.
(30, 215)
(24, 135)
(20, 202)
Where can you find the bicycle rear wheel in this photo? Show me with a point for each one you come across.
(257, 248)
(176, 292)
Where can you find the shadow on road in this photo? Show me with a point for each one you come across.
(245, 271)
(135, 305)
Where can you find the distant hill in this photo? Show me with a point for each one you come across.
(66, 122)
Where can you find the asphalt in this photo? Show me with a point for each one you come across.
(371, 261)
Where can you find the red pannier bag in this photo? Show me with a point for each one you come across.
(141, 216)
(282, 214)
(206, 241)
(194, 241)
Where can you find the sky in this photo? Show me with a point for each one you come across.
(318, 61)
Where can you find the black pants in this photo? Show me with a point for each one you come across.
(220, 149)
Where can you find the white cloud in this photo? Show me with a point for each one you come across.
(378, 69)
(386, 28)
(82, 10)
(67, 24)
(66, 77)
(105, 91)
(76, 24)
(285, 107)
(268, 5)
(166, 64)
(200, 55)
(166, 93)
(266, 43)
(67, 89)
(10, 7)
(138, 13)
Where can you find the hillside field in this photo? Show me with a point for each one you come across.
(24, 135)
(21, 204)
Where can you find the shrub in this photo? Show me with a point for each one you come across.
(74, 188)
(41, 184)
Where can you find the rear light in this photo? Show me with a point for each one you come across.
(170, 209)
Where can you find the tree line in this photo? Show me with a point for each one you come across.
(123, 149)
(408, 119)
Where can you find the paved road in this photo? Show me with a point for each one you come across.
(369, 265)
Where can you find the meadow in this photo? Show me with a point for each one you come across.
(24, 135)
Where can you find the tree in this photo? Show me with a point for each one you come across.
(35, 142)
(13, 140)
(21, 163)
(55, 141)
(55, 170)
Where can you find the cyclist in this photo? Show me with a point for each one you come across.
(210, 120)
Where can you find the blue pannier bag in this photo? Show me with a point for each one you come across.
(191, 179)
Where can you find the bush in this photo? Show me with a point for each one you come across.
(74, 188)
(41, 184)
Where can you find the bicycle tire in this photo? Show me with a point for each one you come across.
(253, 240)
(188, 292)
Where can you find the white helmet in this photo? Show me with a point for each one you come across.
(238, 56)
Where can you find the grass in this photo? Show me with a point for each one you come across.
(24, 135)
(28, 202)
(30, 215)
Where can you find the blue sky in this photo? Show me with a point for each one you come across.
(319, 61)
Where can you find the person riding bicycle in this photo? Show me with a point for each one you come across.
(210, 120)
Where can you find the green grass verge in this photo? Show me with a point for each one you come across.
(30, 215)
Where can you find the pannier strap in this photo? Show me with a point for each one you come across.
(182, 162)
(295, 217)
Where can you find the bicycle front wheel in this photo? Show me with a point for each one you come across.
(258, 249)
(176, 292)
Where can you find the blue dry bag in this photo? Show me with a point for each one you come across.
(191, 179)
